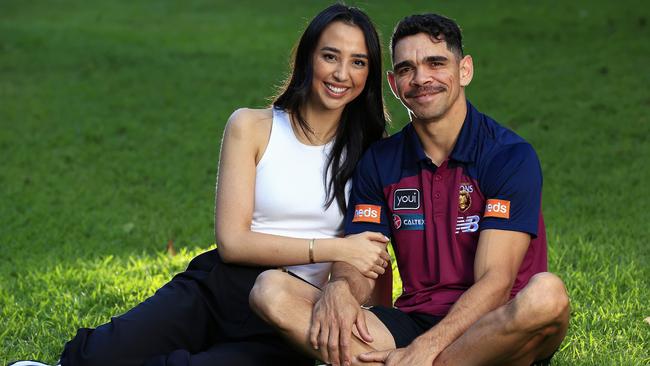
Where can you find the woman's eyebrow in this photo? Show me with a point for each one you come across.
(336, 50)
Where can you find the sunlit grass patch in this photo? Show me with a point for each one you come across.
(52, 302)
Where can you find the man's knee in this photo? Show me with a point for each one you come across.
(268, 296)
(544, 302)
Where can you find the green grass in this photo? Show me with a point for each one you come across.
(111, 115)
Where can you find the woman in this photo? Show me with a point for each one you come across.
(281, 196)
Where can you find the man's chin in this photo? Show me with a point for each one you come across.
(425, 115)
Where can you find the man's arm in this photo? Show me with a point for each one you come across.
(498, 257)
(360, 287)
(515, 176)
(337, 311)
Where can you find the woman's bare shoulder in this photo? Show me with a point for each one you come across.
(250, 123)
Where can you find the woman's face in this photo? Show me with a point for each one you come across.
(340, 66)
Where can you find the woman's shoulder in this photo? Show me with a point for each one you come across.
(250, 122)
(251, 117)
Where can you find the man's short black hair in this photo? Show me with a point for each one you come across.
(437, 26)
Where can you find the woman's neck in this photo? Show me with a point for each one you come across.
(323, 123)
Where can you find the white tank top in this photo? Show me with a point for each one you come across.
(290, 193)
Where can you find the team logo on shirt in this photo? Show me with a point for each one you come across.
(464, 197)
(467, 224)
(468, 187)
(406, 199)
(497, 208)
(408, 222)
(367, 213)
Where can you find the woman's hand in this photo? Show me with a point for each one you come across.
(367, 253)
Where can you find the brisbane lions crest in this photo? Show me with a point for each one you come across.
(464, 197)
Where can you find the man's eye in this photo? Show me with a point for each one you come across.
(403, 70)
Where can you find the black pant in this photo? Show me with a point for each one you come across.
(200, 317)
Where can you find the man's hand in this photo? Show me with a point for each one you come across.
(333, 318)
(411, 355)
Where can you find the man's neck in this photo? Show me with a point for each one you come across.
(439, 136)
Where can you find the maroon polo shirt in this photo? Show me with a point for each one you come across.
(435, 214)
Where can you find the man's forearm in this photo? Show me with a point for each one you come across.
(360, 286)
(483, 297)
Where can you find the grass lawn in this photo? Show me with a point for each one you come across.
(111, 115)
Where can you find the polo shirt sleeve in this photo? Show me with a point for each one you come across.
(512, 187)
(367, 209)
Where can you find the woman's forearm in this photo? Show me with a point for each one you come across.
(260, 249)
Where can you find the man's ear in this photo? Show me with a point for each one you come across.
(466, 69)
(391, 81)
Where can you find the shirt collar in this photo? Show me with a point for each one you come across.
(466, 145)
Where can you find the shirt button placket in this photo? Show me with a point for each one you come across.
(437, 207)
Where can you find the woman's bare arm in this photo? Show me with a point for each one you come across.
(245, 139)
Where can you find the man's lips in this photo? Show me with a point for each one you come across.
(425, 90)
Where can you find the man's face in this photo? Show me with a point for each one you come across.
(427, 77)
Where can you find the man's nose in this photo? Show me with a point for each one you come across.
(420, 77)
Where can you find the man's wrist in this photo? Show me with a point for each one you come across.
(339, 284)
(425, 342)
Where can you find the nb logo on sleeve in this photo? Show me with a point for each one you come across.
(497, 208)
(367, 213)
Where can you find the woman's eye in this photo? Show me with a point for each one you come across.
(329, 57)
(360, 63)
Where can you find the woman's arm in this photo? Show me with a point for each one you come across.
(245, 139)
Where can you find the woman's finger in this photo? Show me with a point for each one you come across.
(370, 274)
(384, 254)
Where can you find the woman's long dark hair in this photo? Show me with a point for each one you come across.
(363, 120)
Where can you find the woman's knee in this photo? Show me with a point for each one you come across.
(268, 293)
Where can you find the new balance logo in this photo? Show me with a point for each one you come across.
(467, 224)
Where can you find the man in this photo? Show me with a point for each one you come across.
(461, 198)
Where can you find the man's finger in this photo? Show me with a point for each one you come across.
(377, 356)
(313, 334)
(362, 327)
(322, 343)
(333, 346)
(344, 349)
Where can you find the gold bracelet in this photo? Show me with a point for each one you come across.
(311, 250)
